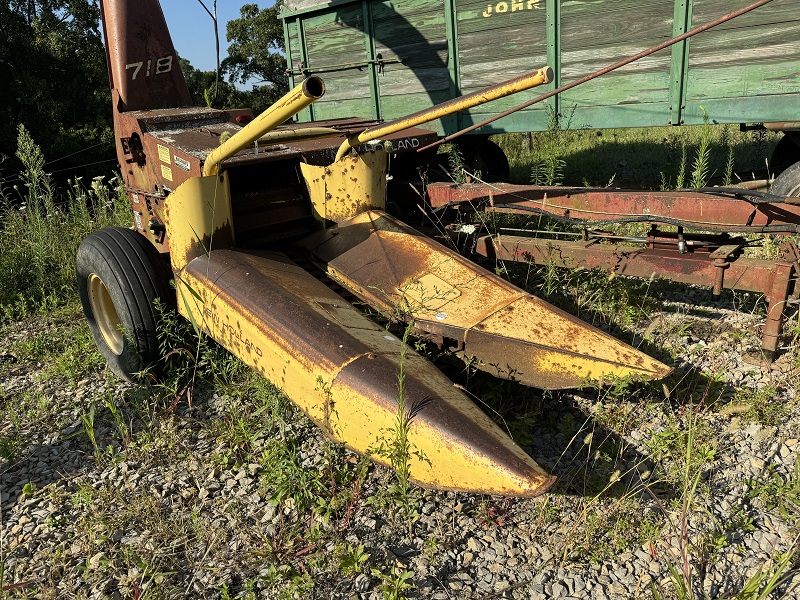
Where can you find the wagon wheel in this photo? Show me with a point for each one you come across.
(487, 157)
(492, 160)
(120, 275)
(788, 182)
(785, 154)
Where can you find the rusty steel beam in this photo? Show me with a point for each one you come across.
(776, 280)
(692, 209)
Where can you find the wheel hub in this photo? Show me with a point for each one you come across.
(105, 314)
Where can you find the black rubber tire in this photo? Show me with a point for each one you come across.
(785, 154)
(493, 161)
(788, 182)
(120, 274)
(482, 154)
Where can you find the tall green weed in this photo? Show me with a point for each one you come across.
(636, 157)
(549, 168)
(701, 169)
(41, 228)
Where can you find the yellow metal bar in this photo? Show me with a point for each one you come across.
(292, 103)
(512, 86)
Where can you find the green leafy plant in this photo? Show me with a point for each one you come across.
(393, 584)
(119, 419)
(548, 172)
(288, 478)
(549, 169)
(455, 162)
(767, 579)
(88, 427)
(701, 170)
(396, 447)
(42, 228)
(777, 492)
(769, 576)
(8, 447)
(400, 448)
(189, 357)
(681, 181)
(430, 547)
(300, 586)
(351, 558)
(688, 446)
(457, 165)
(727, 142)
(553, 277)
(760, 406)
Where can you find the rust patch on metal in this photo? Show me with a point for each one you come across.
(142, 62)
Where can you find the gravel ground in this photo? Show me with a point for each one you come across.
(185, 500)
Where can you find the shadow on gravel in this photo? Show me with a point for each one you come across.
(67, 453)
(592, 439)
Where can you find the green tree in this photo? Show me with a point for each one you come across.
(255, 54)
(54, 77)
(198, 81)
(201, 86)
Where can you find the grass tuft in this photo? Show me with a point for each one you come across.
(41, 228)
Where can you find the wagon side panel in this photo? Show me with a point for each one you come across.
(333, 44)
(746, 70)
(498, 40)
(411, 38)
(597, 34)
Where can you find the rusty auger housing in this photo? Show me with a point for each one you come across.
(232, 207)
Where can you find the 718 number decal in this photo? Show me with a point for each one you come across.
(163, 65)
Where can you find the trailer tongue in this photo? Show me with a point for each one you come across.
(222, 212)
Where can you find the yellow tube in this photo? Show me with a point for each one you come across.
(292, 103)
(506, 88)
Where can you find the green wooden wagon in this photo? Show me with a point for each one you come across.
(386, 58)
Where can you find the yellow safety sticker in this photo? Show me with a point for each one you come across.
(163, 154)
(166, 172)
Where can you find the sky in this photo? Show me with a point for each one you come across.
(193, 30)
